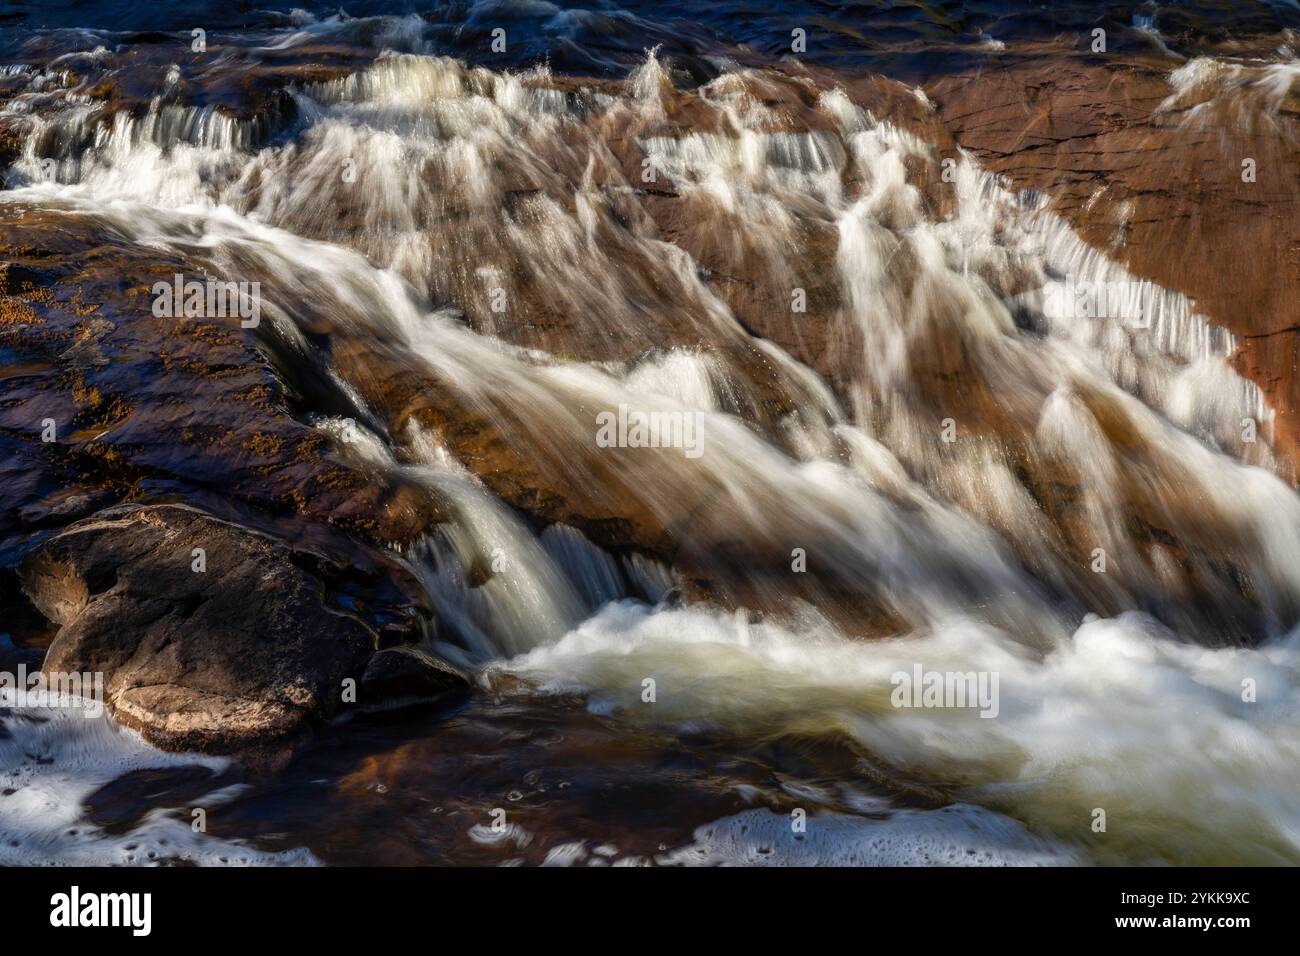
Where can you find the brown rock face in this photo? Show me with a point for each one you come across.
(190, 432)
(211, 637)
(1156, 177)
(195, 433)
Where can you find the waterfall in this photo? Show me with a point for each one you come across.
(941, 434)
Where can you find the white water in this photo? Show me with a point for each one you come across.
(1119, 716)
(468, 181)
(954, 836)
(957, 835)
(1247, 95)
(53, 758)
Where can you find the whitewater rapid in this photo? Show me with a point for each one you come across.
(1102, 705)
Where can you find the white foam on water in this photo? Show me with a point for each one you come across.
(1120, 716)
(52, 759)
(957, 835)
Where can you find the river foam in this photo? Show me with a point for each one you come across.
(1121, 716)
(53, 758)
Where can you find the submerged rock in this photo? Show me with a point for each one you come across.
(400, 675)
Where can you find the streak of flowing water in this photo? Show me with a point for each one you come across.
(408, 199)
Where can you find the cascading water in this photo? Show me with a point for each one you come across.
(947, 442)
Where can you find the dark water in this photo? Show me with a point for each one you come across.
(421, 788)
(603, 38)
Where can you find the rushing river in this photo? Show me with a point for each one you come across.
(967, 477)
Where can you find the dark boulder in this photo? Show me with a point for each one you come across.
(240, 654)
(403, 675)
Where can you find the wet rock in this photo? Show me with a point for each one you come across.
(24, 631)
(85, 351)
(1156, 181)
(11, 144)
(189, 409)
(240, 654)
(401, 675)
(209, 438)
(65, 505)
